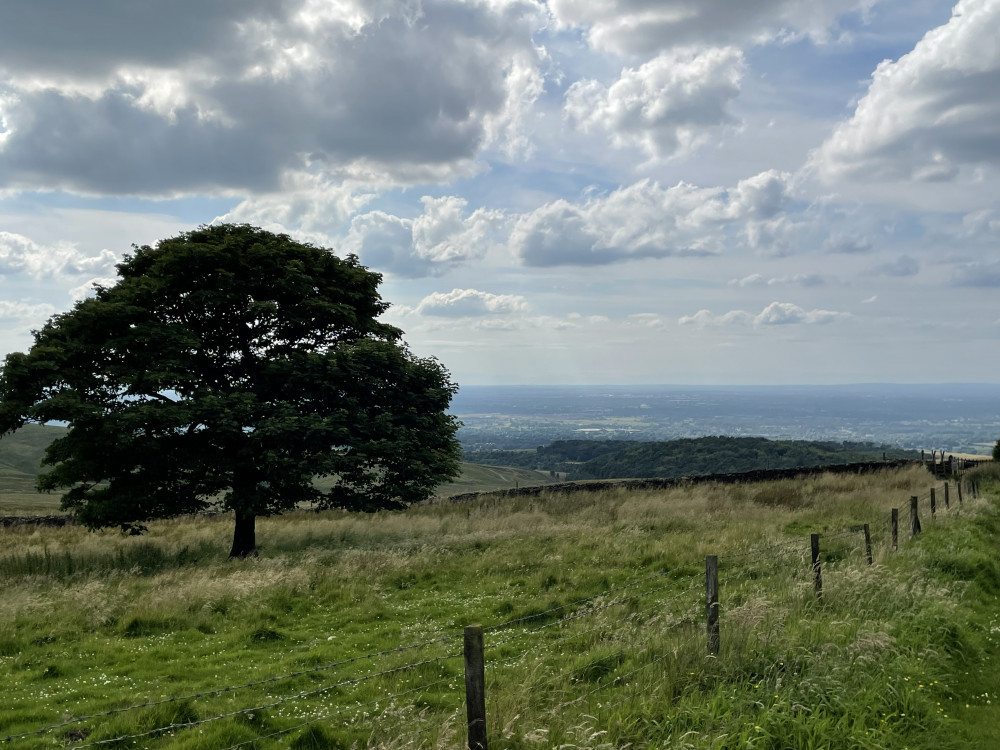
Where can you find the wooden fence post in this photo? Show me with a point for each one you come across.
(914, 518)
(475, 687)
(895, 528)
(712, 603)
(933, 504)
(959, 485)
(947, 496)
(868, 544)
(817, 573)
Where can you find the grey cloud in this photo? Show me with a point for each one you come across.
(644, 27)
(108, 145)
(981, 274)
(850, 244)
(66, 37)
(393, 97)
(904, 265)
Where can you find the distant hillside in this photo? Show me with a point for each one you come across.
(612, 459)
(22, 451)
(561, 455)
(21, 455)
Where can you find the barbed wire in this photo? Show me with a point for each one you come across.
(758, 553)
(265, 706)
(534, 616)
(576, 616)
(229, 688)
(338, 712)
(570, 635)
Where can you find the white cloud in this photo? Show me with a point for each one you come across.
(754, 279)
(429, 245)
(799, 279)
(931, 112)
(705, 319)
(776, 313)
(22, 255)
(644, 27)
(669, 106)
(647, 320)
(86, 289)
(471, 303)
(23, 311)
(783, 313)
(643, 220)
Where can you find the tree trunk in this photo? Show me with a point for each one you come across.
(244, 536)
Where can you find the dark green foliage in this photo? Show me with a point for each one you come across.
(996, 451)
(561, 455)
(232, 364)
(615, 459)
(723, 455)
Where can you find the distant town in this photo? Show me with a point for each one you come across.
(962, 418)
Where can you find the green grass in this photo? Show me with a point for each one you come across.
(19, 497)
(889, 658)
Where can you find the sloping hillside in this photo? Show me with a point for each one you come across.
(23, 450)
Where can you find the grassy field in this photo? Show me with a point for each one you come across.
(18, 495)
(347, 630)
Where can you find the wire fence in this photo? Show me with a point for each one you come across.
(565, 654)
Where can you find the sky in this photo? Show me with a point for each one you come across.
(570, 191)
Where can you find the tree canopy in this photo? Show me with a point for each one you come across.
(232, 366)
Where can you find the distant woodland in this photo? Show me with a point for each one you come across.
(613, 459)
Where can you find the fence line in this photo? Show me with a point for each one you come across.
(477, 739)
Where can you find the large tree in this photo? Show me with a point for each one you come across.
(232, 366)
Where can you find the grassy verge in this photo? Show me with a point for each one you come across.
(594, 612)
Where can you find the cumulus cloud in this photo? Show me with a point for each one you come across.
(441, 237)
(776, 313)
(643, 27)
(89, 287)
(643, 220)
(471, 303)
(20, 254)
(980, 273)
(375, 92)
(929, 113)
(705, 319)
(668, 106)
